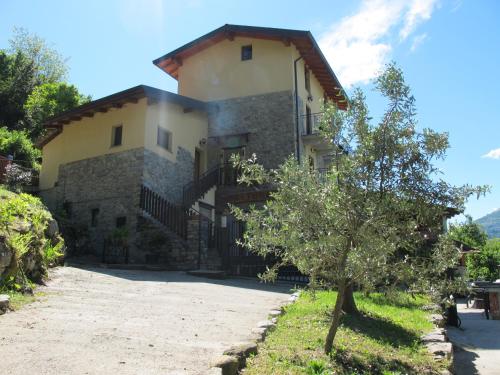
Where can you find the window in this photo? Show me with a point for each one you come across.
(94, 215)
(121, 221)
(246, 53)
(116, 137)
(164, 139)
(307, 79)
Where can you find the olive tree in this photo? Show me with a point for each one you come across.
(370, 218)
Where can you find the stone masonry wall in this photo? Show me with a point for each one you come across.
(109, 183)
(166, 177)
(269, 120)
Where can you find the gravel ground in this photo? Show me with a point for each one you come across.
(477, 343)
(102, 321)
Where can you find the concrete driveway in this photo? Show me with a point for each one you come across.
(477, 343)
(101, 321)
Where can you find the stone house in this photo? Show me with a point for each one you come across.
(156, 162)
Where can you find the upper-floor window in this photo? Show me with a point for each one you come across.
(116, 135)
(164, 139)
(307, 79)
(246, 53)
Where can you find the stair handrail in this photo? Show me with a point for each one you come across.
(196, 188)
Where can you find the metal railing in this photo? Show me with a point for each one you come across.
(312, 123)
(224, 174)
(197, 188)
(174, 217)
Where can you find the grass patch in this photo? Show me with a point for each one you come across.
(18, 300)
(384, 339)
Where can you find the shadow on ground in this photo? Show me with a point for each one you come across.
(182, 277)
(464, 361)
(381, 330)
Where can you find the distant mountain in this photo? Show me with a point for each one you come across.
(491, 223)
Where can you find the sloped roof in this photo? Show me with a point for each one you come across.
(116, 100)
(303, 41)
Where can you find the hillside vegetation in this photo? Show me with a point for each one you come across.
(491, 223)
(29, 241)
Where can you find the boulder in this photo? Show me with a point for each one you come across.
(4, 303)
(5, 256)
(52, 229)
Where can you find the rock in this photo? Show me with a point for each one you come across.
(227, 364)
(4, 303)
(52, 229)
(274, 313)
(5, 256)
(242, 352)
(434, 336)
(265, 324)
(260, 333)
(440, 349)
(438, 320)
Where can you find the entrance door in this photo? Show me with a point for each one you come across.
(229, 173)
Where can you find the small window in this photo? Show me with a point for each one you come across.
(164, 139)
(307, 79)
(117, 136)
(121, 221)
(94, 215)
(246, 53)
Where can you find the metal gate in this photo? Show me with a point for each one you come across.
(239, 261)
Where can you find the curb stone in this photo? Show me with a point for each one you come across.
(234, 358)
(437, 342)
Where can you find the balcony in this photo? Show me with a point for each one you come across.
(311, 131)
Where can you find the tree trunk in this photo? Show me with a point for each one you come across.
(336, 317)
(349, 305)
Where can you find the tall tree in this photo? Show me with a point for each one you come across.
(31, 84)
(16, 83)
(469, 233)
(49, 66)
(48, 100)
(368, 218)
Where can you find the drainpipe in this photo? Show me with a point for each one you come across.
(297, 107)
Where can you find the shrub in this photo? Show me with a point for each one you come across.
(484, 265)
(18, 144)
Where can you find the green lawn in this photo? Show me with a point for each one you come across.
(383, 340)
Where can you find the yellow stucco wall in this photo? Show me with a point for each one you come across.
(187, 128)
(218, 73)
(91, 137)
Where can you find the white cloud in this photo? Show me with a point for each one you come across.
(420, 11)
(360, 44)
(418, 40)
(493, 154)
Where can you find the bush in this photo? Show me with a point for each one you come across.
(27, 235)
(18, 144)
(484, 265)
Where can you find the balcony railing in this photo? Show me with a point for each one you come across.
(311, 123)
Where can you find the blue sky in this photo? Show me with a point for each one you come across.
(449, 51)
